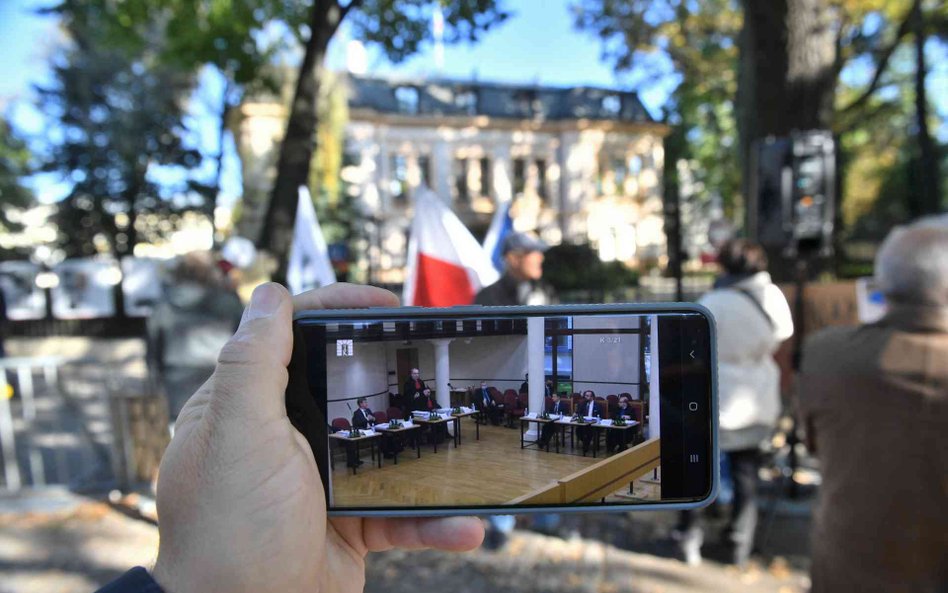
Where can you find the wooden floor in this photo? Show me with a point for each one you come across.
(490, 471)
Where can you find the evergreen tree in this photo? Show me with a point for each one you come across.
(118, 139)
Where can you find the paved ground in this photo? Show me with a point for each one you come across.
(57, 542)
(53, 540)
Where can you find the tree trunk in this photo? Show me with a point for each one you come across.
(928, 200)
(786, 79)
(296, 150)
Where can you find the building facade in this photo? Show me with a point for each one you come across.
(581, 165)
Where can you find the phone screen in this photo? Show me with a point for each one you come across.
(475, 411)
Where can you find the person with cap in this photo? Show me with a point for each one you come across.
(520, 283)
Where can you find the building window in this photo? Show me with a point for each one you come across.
(519, 176)
(398, 188)
(541, 179)
(407, 98)
(466, 102)
(525, 101)
(486, 178)
(611, 105)
(424, 168)
(460, 180)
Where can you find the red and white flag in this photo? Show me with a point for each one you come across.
(446, 264)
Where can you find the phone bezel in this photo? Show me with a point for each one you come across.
(416, 313)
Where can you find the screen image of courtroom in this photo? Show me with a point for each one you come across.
(489, 412)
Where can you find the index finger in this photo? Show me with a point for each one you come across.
(343, 295)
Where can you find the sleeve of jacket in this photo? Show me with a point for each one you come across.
(137, 580)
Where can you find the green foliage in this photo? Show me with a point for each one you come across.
(119, 142)
(14, 166)
(578, 267)
(700, 42)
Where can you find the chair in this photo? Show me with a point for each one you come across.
(340, 424)
(548, 404)
(512, 407)
(496, 395)
(604, 405)
(394, 413)
(613, 400)
(381, 417)
(576, 400)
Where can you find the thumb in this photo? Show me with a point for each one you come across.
(250, 379)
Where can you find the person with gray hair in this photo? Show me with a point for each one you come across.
(873, 401)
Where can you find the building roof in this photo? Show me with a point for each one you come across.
(511, 101)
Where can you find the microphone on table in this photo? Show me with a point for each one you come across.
(348, 406)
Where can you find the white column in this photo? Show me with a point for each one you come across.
(500, 161)
(535, 337)
(441, 170)
(654, 406)
(442, 358)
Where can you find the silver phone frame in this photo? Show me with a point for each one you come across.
(414, 313)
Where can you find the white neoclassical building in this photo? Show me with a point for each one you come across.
(580, 164)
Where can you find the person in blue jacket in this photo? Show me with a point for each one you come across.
(240, 503)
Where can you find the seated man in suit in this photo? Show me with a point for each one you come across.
(424, 402)
(560, 405)
(362, 417)
(618, 440)
(589, 408)
(486, 405)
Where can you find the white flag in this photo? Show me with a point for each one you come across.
(309, 266)
(446, 264)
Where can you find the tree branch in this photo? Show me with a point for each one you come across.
(884, 58)
(345, 10)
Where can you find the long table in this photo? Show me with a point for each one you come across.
(562, 422)
(364, 437)
(393, 433)
(446, 415)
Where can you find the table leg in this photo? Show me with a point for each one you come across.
(457, 432)
(434, 437)
(521, 434)
(417, 447)
(477, 430)
(377, 443)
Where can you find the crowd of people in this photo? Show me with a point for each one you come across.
(871, 401)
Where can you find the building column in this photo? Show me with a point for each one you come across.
(442, 358)
(502, 189)
(654, 405)
(441, 170)
(536, 333)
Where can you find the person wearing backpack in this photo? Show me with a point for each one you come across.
(753, 319)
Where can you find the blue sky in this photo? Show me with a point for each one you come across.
(539, 44)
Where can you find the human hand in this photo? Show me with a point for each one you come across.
(240, 503)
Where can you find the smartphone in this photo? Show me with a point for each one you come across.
(479, 410)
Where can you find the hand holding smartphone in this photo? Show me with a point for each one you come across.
(603, 407)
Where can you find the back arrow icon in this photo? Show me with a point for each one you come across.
(692, 353)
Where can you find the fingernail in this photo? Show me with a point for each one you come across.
(264, 302)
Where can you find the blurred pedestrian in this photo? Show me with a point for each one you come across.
(874, 403)
(197, 314)
(520, 284)
(753, 319)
